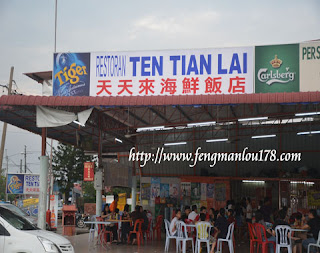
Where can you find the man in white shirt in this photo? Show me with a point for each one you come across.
(248, 210)
(193, 216)
(173, 224)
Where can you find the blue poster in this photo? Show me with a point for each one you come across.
(15, 183)
(71, 74)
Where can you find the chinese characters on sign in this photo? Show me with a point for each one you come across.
(156, 73)
(88, 174)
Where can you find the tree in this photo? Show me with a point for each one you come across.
(89, 192)
(67, 165)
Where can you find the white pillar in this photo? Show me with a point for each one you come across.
(134, 192)
(42, 208)
(98, 202)
(98, 187)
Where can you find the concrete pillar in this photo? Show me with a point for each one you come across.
(42, 208)
(98, 202)
(134, 192)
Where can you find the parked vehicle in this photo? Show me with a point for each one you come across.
(17, 210)
(17, 234)
(80, 219)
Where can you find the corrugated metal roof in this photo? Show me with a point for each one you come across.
(294, 97)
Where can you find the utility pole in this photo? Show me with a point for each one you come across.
(25, 159)
(4, 131)
(7, 158)
(20, 165)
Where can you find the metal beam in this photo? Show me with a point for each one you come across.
(183, 113)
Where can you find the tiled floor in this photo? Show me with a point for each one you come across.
(81, 245)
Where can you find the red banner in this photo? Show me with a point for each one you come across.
(88, 174)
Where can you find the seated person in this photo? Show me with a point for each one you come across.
(221, 226)
(231, 218)
(203, 209)
(145, 223)
(135, 215)
(173, 224)
(187, 211)
(313, 225)
(194, 216)
(107, 215)
(125, 226)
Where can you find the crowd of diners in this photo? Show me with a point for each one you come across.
(242, 213)
(112, 213)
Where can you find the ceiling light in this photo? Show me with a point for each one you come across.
(307, 114)
(118, 140)
(175, 143)
(216, 140)
(201, 124)
(310, 132)
(253, 119)
(77, 122)
(156, 128)
(263, 136)
(253, 181)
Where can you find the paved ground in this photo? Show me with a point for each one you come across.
(81, 245)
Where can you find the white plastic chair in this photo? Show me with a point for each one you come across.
(317, 245)
(93, 229)
(203, 235)
(228, 239)
(283, 238)
(183, 237)
(168, 235)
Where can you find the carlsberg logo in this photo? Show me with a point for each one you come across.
(275, 76)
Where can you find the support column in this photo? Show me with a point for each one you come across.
(98, 202)
(44, 162)
(44, 166)
(134, 192)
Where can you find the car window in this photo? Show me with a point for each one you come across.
(15, 220)
(3, 231)
(15, 209)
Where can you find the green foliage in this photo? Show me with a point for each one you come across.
(89, 193)
(67, 164)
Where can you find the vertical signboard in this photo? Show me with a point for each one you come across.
(54, 211)
(310, 66)
(277, 68)
(88, 174)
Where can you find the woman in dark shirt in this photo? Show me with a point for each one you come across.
(125, 226)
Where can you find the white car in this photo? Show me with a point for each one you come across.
(18, 235)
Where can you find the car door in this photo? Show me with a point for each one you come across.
(3, 234)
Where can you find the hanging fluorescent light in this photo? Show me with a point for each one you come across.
(77, 122)
(307, 114)
(118, 140)
(263, 136)
(216, 140)
(253, 181)
(156, 128)
(302, 182)
(253, 119)
(310, 132)
(201, 124)
(175, 143)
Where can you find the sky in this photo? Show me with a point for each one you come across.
(27, 36)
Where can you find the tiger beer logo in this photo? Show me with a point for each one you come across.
(71, 74)
(14, 184)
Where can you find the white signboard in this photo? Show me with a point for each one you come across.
(310, 66)
(31, 184)
(154, 73)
